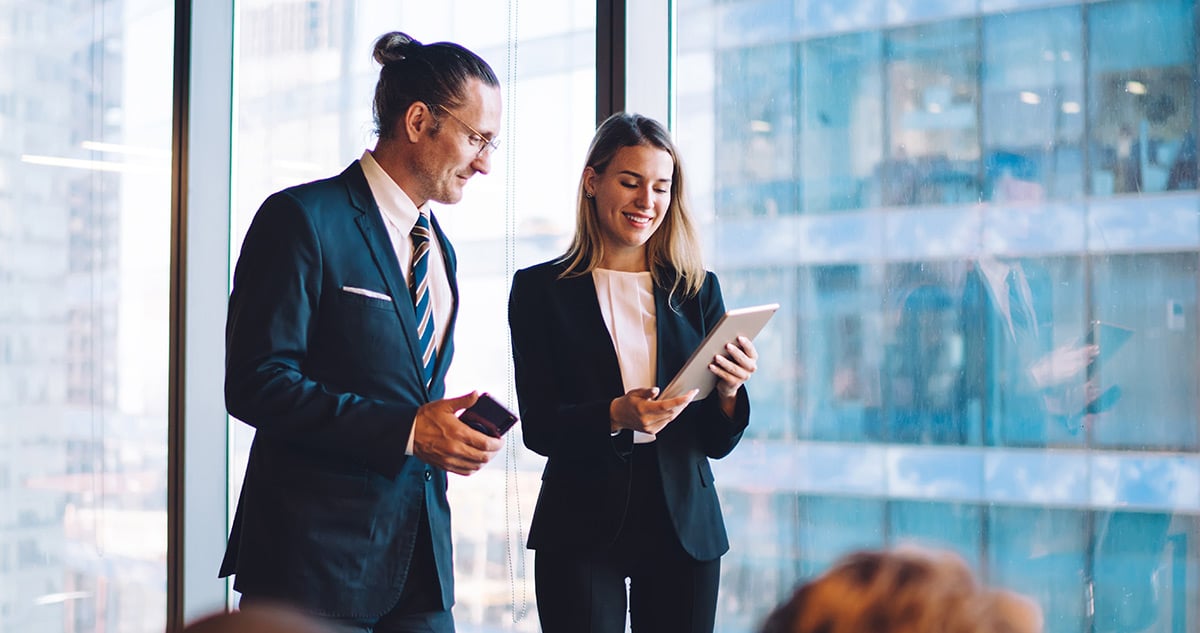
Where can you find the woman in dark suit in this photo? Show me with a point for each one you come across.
(627, 492)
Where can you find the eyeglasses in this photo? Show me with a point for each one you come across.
(483, 144)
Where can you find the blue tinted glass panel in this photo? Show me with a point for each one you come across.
(1032, 107)
(841, 96)
(1138, 570)
(822, 17)
(774, 394)
(756, 130)
(1042, 553)
(837, 348)
(957, 233)
(931, 121)
(954, 527)
(914, 11)
(922, 395)
(830, 526)
(1150, 387)
(764, 572)
(1142, 96)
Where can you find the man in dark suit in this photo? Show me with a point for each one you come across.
(340, 365)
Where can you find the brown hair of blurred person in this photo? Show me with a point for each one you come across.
(1003, 611)
(258, 619)
(906, 590)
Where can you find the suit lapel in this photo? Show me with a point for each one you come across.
(675, 339)
(370, 223)
(582, 307)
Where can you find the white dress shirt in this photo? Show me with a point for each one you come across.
(400, 216)
(627, 304)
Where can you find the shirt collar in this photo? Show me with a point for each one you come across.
(395, 205)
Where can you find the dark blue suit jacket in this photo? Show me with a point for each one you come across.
(331, 381)
(567, 373)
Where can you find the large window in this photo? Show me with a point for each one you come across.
(945, 197)
(305, 81)
(85, 211)
(950, 199)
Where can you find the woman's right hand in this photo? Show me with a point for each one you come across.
(638, 410)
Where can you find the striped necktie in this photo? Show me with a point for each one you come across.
(419, 285)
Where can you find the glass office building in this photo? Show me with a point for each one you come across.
(950, 199)
(944, 196)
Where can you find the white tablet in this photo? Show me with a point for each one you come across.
(745, 322)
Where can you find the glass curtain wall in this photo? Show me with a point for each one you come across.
(944, 196)
(304, 84)
(951, 200)
(85, 210)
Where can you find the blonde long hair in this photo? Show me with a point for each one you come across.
(673, 251)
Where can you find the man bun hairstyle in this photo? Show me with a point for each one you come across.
(436, 74)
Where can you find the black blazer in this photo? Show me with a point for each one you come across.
(331, 381)
(567, 373)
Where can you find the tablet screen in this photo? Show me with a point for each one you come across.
(695, 374)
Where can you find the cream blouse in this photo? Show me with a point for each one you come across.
(627, 304)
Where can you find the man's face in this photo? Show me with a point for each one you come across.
(449, 153)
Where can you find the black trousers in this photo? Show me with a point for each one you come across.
(419, 609)
(668, 590)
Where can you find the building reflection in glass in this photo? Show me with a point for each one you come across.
(962, 191)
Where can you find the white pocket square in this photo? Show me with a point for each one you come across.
(366, 293)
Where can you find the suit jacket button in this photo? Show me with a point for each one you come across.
(428, 476)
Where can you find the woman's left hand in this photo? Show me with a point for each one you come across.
(733, 371)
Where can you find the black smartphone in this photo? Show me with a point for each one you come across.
(488, 416)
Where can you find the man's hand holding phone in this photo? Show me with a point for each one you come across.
(488, 416)
(441, 439)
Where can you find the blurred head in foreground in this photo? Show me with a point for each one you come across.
(258, 619)
(906, 590)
